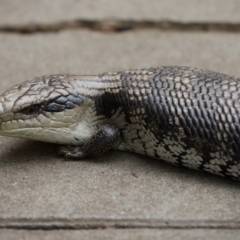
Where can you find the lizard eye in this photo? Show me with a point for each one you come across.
(30, 110)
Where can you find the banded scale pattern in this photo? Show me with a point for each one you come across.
(184, 116)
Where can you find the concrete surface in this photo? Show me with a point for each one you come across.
(85, 52)
(37, 185)
(131, 196)
(123, 234)
(44, 11)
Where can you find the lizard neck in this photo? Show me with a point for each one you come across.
(96, 85)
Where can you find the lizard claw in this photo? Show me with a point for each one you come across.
(70, 152)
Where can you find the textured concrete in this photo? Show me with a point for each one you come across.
(85, 52)
(135, 234)
(29, 11)
(117, 195)
(37, 185)
(40, 189)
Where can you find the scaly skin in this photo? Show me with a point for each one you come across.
(184, 116)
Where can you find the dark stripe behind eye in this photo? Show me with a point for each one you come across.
(61, 103)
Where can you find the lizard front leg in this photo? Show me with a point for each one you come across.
(103, 140)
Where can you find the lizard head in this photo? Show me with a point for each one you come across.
(47, 109)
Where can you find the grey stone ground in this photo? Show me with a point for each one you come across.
(41, 191)
(25, 11)
(123, 234)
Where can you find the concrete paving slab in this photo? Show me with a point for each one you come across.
(29, 11)
(40, 189)
(85, 52)
(122, 234)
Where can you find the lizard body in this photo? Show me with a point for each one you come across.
(185, 116)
